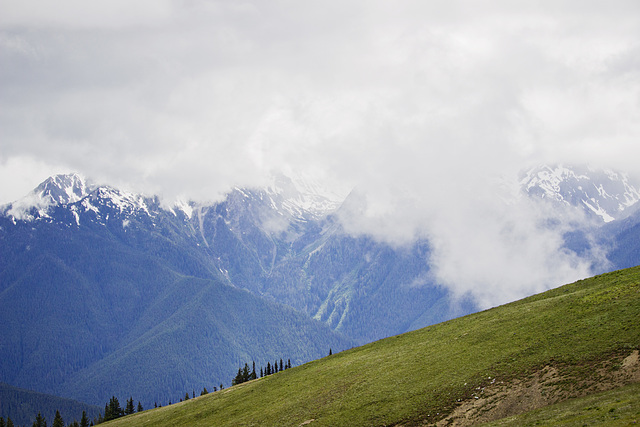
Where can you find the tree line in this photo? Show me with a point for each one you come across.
(41, 421)
(244, 374)
(113, 410)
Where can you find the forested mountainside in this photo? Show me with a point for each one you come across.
(23, 406)
(89, 312)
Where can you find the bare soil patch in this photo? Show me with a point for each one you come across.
(547, 386)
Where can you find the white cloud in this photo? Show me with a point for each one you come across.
(76, 14)
(18, 175)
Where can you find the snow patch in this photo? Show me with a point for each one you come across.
(74, 211)
(602, 193)
(185, 207)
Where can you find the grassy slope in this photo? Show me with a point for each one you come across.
(418, 376)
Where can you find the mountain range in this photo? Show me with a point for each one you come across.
(106, 292)
(604, 195)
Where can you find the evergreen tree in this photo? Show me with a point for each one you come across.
(57, 420)
(261, 373)
(1, 422)
(275, 367)
(129, 408)
(245, 373)
(216, 388)
(75, 424)
(238, 378)
(9, 422)
(193, 393)
(330, 352)
(84, 422)
(281, 366)
(253, 372)
(140, 407)
(268, 369)
(40, 421)
(288, 363)
(113, 409)
(204, 391)
(186, 396)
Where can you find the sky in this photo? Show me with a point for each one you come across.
(424, 106)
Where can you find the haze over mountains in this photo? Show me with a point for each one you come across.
(108, 292)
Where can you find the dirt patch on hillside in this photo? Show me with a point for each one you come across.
(630, 365)
(551, 384)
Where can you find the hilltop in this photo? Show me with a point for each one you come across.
(572, 341)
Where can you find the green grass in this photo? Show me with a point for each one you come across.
(618, 407)
(419, 376)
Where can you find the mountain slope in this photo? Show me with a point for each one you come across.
(207, 329)
(623, 239)
(575, 340)
(361, 288)
(22, 406)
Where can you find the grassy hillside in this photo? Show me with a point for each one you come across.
(564, 343)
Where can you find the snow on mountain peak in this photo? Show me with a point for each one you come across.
(302, 197)
(69, 189)
(600, 192)
(64, 189)
(58, 189)
(122, 201)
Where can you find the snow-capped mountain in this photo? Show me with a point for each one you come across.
(56, 190)
(300, 198)
(603, 194)
(279, 242)
(76, 193)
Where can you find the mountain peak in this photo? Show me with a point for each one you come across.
(302, 197)
(58, 189)
(63, 188)
(69, 189)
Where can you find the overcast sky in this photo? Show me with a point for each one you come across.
(420, 104)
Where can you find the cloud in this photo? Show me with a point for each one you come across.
(19, 175)
(501, 253)
(421, 106)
